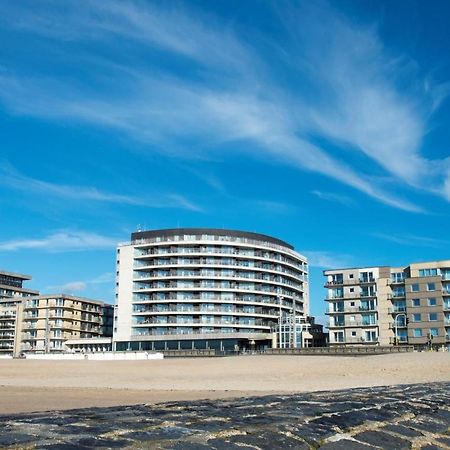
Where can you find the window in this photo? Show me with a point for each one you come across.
(370, 336)
(434, 332)
(368, 319)
(398, 292)
(428, 272)
(416, 317)
(352, 289)
(353, 333)
(431, 302)
(417, 332)
(415, 302)
(433, 317)
(431, 286)
(397, 277)
(415, 287)
(352, 303)
(339, 336)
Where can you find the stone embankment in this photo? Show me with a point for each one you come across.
(392, 417)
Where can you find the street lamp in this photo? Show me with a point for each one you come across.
(279, 320)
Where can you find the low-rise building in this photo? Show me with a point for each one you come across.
(48, 321)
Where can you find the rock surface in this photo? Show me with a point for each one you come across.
(390, 417)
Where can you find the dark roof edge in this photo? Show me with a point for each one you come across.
(216, 231)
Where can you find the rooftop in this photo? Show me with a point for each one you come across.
(20, 276)
(209, 231)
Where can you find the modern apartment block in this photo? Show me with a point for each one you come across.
(199, 288)
(48, 321)
(390, 305)
(12, 293)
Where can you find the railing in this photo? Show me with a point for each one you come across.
(401, 309)
(393, 325)
(269, 303)
(206, 311)
(353, 324)
(199, 321)
(359, 309)
(398, 340)
(176, 240)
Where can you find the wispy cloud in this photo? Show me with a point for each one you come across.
(334, 198)
(79, 286)
(412, 240)
(231, 95)
(62, 241)
(327, 260)
(12, 178)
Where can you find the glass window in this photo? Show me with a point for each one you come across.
(434, 332)
(433, 316)
(431, 286)
(415, 287)
(415, 302)
(431, 302)
(428, 272)
(397, 277)
(417, 332)
(416, 317)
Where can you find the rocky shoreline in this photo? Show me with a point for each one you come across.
(389, 417)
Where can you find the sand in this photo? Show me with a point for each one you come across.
(30, 385)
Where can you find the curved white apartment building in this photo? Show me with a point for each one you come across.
(200, 288)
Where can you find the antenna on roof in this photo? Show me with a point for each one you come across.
(138, 228)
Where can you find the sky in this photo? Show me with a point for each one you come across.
(325, 124)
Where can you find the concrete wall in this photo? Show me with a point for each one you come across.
(107, 356)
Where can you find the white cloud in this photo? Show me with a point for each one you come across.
(79, 286)
(62, 241)
(347, 92)
(412, 240)
(333, 197)
(70, 287)
(12, 178)
(327, 260)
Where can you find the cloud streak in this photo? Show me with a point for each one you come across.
(327, 260)
(62, 241)
(12, 178)
(79, 286)
(411, 240)
(231, 96)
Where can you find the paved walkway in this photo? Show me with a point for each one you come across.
(395, 417)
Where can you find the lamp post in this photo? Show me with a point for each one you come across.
(280, 318)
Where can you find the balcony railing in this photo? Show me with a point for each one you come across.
(353, 324)
(398, 310)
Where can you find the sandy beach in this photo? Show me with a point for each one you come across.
(27, 385)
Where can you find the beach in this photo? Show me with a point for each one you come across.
(38, 385)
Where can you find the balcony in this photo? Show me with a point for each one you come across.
(393, 325)
(354, 340)
(398, 310)
(354, 324)
(398, 340)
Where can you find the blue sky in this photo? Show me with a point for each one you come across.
(323, 124)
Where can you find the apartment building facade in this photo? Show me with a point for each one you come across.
(48, 321)
(386, 305)
(198, 288)
(12, 292)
